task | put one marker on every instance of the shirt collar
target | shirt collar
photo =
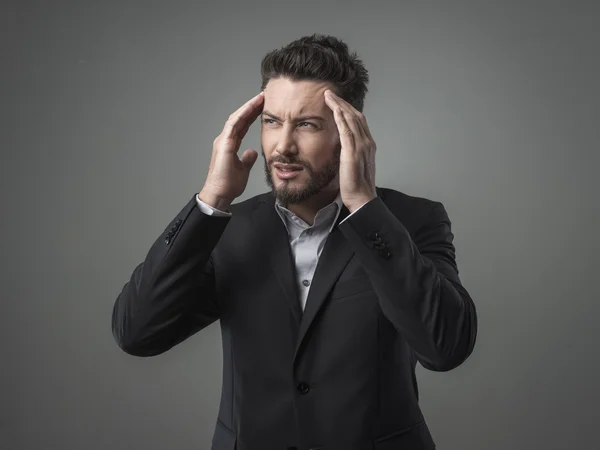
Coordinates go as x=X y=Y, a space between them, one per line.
x=330 y=212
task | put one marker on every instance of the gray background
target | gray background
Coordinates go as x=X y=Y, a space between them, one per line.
x=109 y=110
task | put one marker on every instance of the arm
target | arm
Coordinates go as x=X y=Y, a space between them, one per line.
x=417 y=282
x=171 y=294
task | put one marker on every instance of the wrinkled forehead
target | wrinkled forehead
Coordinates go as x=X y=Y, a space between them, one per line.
x=289 y=99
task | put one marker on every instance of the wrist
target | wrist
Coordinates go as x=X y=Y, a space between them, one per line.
x=359 y=203
x=217 y=202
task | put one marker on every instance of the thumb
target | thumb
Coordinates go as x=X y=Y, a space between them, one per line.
x=249 y=158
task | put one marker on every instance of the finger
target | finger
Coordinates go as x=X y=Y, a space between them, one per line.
x=248 y=122
x=362 y=122
x=238 y=123
x=351 y=115
x=355 y=126
x=339 y=101
x=331 y=100
x=249 y=106
x=365 y=126
x=346 y=135
x=249 y=158
x=360 y=118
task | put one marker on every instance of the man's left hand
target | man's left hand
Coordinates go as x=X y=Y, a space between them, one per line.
x=357 y=158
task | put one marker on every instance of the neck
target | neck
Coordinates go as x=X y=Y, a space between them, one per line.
x=308 y=210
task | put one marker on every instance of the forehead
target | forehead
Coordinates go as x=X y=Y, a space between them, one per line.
x=287 y=98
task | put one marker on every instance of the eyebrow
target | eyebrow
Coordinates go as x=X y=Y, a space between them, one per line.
x=298 y=119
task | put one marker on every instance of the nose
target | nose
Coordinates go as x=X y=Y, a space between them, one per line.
x=286 y=146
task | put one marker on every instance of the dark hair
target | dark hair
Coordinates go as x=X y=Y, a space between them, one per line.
x=319 y=58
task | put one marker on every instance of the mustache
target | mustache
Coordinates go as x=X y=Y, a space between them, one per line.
x=281 y=160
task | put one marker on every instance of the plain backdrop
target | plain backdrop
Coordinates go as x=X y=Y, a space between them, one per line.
x=109 y=110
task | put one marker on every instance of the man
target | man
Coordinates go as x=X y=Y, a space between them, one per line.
x=328 y=289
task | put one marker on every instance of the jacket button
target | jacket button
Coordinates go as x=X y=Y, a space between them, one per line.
x=303 y=388
x=385 y=253
x=374 y=236
x=292 y=448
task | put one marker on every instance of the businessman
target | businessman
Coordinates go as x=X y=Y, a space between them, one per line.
x=328 y=288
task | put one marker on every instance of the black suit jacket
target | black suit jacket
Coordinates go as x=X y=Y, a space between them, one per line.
x=339 y=376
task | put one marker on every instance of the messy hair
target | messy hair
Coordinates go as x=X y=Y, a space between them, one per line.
x=319 y=58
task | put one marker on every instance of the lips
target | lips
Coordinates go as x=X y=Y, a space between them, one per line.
x=287 y=171
x=287 y=167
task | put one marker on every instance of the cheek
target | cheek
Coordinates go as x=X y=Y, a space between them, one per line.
x=272 y=138
x=318 y=148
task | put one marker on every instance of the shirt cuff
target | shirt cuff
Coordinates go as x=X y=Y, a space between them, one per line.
x=209 y=210
x=355 y=211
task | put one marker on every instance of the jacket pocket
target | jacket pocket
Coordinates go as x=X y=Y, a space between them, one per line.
x=356 y=285
x=223 y=438
x=416 y=437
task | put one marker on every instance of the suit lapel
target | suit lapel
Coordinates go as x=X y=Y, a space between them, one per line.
x=335 y=256
x=273 y=233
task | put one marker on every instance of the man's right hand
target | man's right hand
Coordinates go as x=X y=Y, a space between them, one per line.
x=228 y=174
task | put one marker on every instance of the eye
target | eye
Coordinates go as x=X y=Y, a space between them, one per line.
x=302 y=124
x=268 y=121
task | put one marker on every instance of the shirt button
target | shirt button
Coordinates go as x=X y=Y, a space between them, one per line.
x=305 y=282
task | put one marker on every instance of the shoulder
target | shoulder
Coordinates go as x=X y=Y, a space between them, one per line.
x=247 y=206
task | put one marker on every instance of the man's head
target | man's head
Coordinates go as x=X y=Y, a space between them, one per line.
x=297 y=125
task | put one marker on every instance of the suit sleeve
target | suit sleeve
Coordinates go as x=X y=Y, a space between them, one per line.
x=171 y=294
x=417 y=282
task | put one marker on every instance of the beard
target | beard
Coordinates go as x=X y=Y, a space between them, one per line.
x=317 y=179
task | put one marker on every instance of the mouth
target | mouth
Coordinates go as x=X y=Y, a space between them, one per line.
x=287 y=171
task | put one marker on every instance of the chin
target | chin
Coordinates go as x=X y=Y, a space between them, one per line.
x=285 y=190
